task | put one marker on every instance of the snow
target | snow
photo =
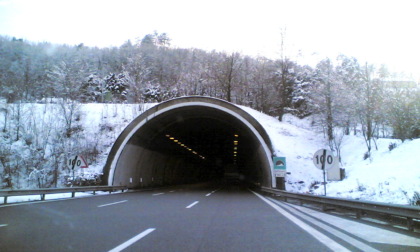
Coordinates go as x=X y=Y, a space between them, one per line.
x=388 y=176
x=55 y=196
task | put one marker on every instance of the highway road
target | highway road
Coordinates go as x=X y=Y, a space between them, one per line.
x=189 y=218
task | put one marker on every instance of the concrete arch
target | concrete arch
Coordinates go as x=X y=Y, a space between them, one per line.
x=145 y=154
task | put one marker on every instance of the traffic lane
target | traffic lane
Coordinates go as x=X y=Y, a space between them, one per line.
x=80 y=224
x=228 y=220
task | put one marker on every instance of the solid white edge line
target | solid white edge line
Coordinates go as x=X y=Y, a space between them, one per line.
x=3 y=225
x=358 y=244
x=118 y=202
x=132 y=240
x=157 y=194
x=193 y=204
x=334 y=246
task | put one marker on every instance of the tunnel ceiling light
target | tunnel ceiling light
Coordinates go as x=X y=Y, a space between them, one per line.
x=183 y=145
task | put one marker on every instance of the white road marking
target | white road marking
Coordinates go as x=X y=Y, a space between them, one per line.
x=3 y=225
x=118 y=202
x=156 y=194
x=132 y=240
x=334 y=246
x=363 y=231
x=172 y=191
x=358 y=244
x=193 y=204
x=208 y=194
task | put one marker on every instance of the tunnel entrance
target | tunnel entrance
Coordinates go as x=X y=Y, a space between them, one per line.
x=191 y=140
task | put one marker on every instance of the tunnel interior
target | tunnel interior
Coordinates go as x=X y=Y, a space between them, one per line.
x=192 y=144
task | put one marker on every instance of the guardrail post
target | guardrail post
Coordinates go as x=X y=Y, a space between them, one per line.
x=73 y=194
x=42 y=196
x=5 y=199
x=358 y=214
x=410 y=224
x=94 y=192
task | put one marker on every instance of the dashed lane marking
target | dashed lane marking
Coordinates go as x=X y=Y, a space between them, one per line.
x=193 y=204
x=110 y=204
x=132 y=240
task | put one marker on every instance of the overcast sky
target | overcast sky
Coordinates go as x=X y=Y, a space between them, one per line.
x=377 y=31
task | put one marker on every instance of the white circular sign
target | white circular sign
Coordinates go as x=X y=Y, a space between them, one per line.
x=323 y=155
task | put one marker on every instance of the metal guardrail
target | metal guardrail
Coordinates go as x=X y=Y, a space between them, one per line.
x=408 y=212
x=72 y=190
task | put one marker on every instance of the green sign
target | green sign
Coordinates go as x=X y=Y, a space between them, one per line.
x=279 y=168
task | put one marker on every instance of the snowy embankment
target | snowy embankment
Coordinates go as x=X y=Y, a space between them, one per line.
x=388 y=176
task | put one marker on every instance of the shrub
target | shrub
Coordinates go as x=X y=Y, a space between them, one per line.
x=392 y=146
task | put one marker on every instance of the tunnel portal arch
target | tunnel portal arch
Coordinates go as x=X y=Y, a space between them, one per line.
x=190 y=139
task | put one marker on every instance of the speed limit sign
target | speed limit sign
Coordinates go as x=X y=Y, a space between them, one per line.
x=77 y=162
x=324 y=156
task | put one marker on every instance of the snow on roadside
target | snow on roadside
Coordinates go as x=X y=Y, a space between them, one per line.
x=388 y=176
x=55 y=196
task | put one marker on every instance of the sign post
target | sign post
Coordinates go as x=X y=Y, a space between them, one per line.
x=279 y=168
x=76 y=162
x=323 y=159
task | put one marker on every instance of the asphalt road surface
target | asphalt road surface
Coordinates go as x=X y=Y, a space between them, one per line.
x=190 y=218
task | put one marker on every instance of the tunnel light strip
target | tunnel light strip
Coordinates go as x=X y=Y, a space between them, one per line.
x=235 y=148
x=185 y=146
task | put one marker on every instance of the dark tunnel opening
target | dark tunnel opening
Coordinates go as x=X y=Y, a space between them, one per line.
x=189 y=144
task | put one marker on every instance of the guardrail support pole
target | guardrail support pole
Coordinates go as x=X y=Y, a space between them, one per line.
x=42 y=196
x=410 y=224
x=5 y=199
x=94 y=192
x=358 y=214
x=73 y=194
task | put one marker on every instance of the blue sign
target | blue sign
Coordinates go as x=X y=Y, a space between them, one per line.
x=279 y=166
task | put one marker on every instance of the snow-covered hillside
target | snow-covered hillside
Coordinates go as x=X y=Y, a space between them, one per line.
x=388 y=176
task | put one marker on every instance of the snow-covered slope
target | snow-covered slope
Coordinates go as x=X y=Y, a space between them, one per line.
x=388 y=176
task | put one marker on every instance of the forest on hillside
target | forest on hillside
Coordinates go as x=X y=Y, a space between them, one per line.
x=348 y=96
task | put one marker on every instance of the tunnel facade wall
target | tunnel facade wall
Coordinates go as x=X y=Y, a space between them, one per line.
x=137 y=166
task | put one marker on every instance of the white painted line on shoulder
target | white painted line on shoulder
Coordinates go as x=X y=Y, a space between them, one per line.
x=358 y=244
x=330 y=243
x=132 y=240
x=366 y=232
x=3 y=225
x=156 y=194
x=110 y=204
x=208 y=194
x=193 y=204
